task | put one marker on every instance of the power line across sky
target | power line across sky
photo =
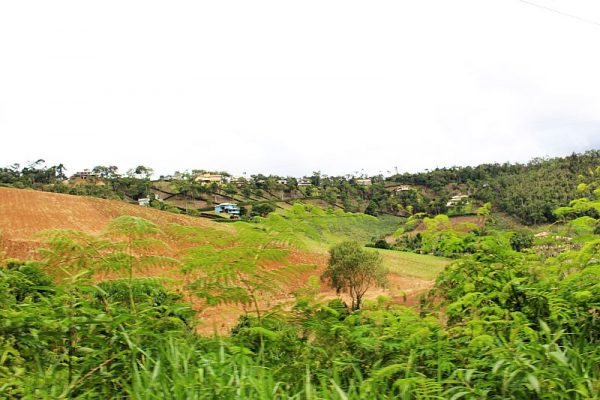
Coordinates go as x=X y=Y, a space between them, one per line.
x=557 y=11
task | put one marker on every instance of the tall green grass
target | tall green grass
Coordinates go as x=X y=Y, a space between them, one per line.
x=410 y=264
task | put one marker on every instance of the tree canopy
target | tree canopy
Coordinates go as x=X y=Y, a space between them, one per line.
x=354 y=269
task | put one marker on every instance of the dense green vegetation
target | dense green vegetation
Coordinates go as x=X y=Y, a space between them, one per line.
x=499 y=323
x=528 y=192
x=516 y=315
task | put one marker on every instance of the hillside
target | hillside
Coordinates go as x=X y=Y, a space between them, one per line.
x=23 y=213
x=525 y=192
x=255 y=285
x=308 y=229
x=528 y=192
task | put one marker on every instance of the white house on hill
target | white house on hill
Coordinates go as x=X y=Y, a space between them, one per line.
x=403 y=188
x=85 y=174
x=454 y=200
x=209 y=178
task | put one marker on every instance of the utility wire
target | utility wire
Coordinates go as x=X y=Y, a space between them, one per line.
x=589 y=21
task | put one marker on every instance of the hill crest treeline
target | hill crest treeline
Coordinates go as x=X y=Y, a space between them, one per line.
x=528 y=192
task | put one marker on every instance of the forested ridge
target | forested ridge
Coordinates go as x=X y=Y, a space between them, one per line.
x=528 y=192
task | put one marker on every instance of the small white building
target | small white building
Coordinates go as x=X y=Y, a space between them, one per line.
x=85 y=175
x=454 y=200
x=144 y=201
x=238 y=180
x=304 y=182
x=403 y=188
x=364 y=182
x=209 y=178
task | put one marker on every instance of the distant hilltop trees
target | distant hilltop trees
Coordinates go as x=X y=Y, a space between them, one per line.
x=528 y=192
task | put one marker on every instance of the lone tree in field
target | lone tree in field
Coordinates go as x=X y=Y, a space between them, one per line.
x=353 y=269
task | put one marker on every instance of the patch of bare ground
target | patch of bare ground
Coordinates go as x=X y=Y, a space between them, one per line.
x=403 y=290
x=23 y=213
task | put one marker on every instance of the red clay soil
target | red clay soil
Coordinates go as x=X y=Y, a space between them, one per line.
x=220 y=319
x=23 y=213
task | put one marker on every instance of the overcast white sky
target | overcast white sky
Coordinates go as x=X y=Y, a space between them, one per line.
x=293 y=87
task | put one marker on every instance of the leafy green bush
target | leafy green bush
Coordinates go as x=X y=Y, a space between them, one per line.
x=497 y=324
x=521 y=240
